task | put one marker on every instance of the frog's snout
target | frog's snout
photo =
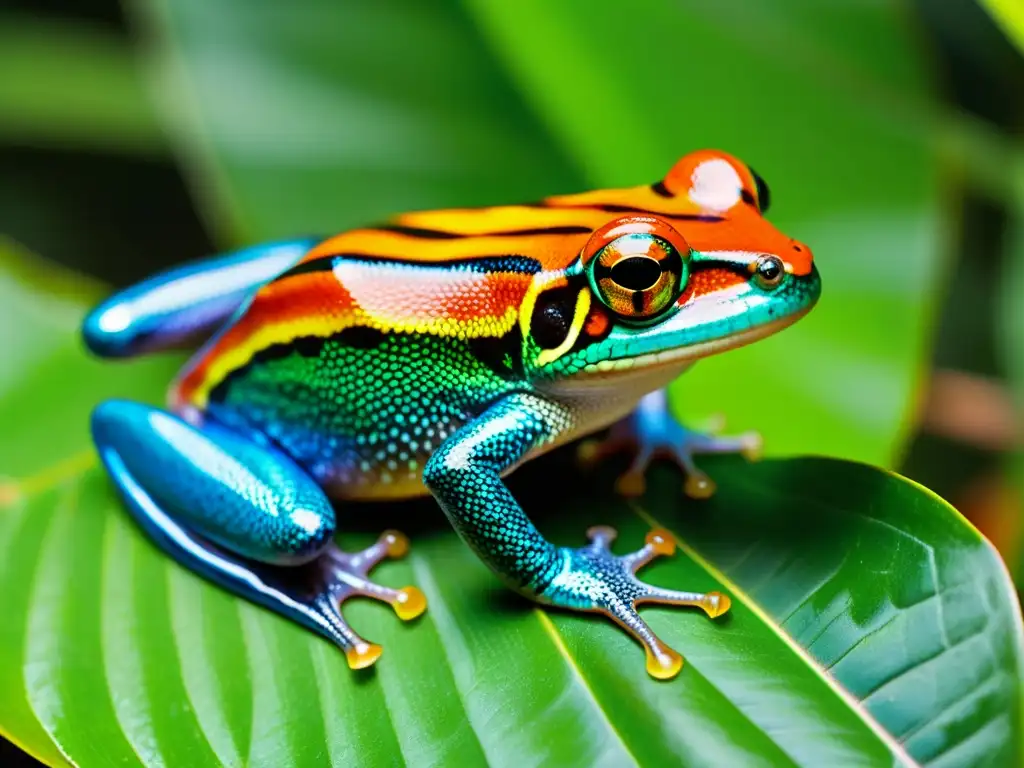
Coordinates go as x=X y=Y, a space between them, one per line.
x=800 y=250
x=798 y=255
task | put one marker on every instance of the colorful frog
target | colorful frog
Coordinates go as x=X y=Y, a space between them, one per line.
x=436 y=354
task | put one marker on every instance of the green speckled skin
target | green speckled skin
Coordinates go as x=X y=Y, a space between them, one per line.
x=356 y=375
x=363 y=419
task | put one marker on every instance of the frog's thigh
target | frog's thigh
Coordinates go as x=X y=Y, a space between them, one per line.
x=184 y=305
x=246 y=498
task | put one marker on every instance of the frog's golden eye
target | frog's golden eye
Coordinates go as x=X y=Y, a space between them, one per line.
x=637 y=266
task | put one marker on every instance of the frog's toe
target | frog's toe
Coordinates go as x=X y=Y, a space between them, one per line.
x=350 y=575
x=592 y=451
x=607 y=583
x=690 y=444
x=651 y=432
x=344 y=575
x=633 y=482
x=681 y=446
x=359 y=653
x=363 y=655
x=391 y=544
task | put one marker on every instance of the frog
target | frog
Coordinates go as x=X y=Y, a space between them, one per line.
x=432 y=355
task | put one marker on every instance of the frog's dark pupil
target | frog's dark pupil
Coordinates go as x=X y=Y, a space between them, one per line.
x=637 y=273
x=769 y=270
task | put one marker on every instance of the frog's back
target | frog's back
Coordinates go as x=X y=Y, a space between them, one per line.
x=459 y=272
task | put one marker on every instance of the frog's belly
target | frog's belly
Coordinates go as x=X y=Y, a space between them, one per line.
x=384 y=462
x=362 y=422
x=375 y=455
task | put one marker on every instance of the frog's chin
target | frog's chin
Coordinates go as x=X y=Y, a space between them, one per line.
x=684 y=356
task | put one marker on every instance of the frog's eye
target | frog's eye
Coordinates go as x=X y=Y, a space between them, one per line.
x=637 y=266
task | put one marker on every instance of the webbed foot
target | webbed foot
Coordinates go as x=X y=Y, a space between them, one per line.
x=345 y=575
x=651 y=432
x=600 y=581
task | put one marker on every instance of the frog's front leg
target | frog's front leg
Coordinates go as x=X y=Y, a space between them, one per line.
x=245 y=516
x=651 y=431
x=464 y=474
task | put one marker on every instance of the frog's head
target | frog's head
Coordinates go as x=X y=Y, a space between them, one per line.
x=691 y=270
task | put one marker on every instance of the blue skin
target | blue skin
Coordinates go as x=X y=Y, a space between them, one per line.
x=139 y=454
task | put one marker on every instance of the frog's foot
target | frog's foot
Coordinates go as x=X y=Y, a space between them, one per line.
x=600 y=581
x=346 y=575
x=651 y=432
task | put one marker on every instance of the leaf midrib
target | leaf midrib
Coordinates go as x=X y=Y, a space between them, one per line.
x=737 y=593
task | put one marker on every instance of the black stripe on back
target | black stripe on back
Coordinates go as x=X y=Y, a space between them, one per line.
x=322 y=264
x=513 y=263
x=660 y=189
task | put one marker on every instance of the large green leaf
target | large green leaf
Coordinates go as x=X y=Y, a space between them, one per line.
x=871 y=625
x=331 y=115
x=322 y=115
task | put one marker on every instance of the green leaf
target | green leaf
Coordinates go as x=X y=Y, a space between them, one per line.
x=337 y=114
x=72 y=86
x=332 y=115
x=871 y=625
x=1010 y=17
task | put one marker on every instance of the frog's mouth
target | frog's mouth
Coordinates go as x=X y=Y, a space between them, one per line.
x=689 y=354
x=717 y=323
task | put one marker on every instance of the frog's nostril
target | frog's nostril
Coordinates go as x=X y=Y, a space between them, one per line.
x=801 y=249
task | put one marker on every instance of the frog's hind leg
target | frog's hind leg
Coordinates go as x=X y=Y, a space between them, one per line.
x=245 y=516
x=183 y=306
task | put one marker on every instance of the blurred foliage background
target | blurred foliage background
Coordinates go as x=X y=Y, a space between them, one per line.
x=138 y=135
